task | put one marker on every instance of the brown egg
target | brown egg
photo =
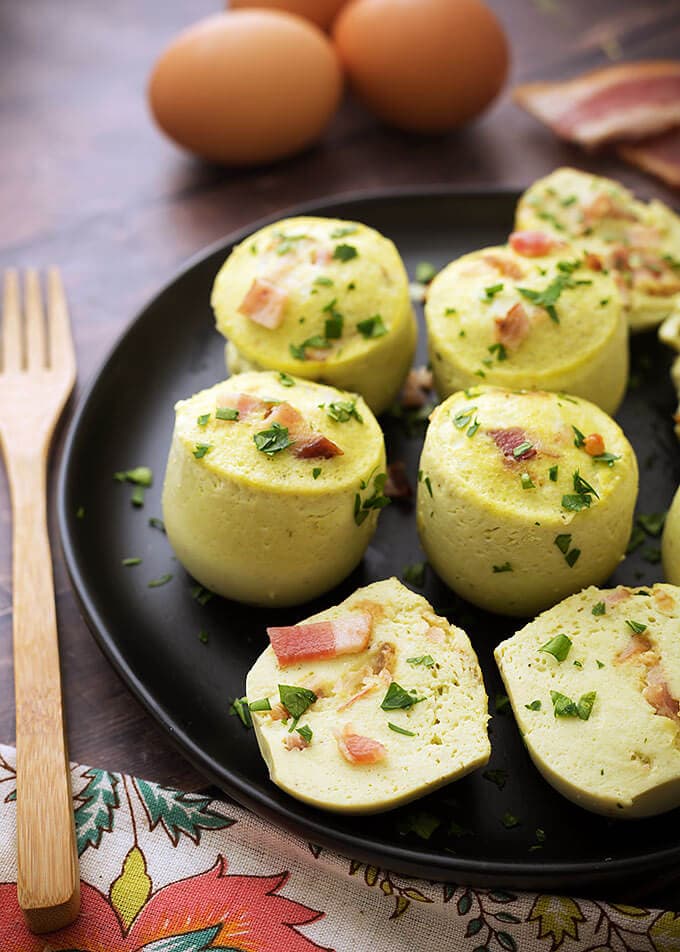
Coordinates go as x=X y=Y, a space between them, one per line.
x=247 y=86
x=423 y=65
x=322 y=12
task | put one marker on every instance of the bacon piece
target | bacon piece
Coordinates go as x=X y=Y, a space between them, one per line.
x=617 y=103
x=533 y=244
x=594 y=444
x=659 y=155
x=397 y=485
x=504 y=264
x=592 y=261
x=320 y=255
x=279 y=713
x=418 y=385
x=357 y=749
x=317 y=640
x=246 y=404
x=384 y=658
x=658 y=695
x=606 y=206
x=664 y=601
x=307 y=443
x=295 y=742
x=509 y=439
x=512 y=329
x=620 y=594
x=264 y=303
x=434 y=633
x=637 y=645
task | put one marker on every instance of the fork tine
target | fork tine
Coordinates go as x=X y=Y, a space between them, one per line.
x=61 y=342
x=11 y=319
x=36 y=351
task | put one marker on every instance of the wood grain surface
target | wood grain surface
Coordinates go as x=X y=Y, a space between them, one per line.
x=89 y=184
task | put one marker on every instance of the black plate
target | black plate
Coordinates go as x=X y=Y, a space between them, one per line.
x=150 y=635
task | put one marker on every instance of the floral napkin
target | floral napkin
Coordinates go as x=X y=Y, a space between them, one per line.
x=167 y=871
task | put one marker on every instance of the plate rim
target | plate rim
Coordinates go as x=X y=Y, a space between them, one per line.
x=409 y=857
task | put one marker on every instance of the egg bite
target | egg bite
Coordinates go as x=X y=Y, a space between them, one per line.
x=321 y=299
x=670 y=542
x=369 y=704
x=530 y=314
x=524 y=497
x=638 y=242
x=594 y=686
x=273 y=487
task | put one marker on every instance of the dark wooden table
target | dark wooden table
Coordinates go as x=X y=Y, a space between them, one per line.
x=87 y=182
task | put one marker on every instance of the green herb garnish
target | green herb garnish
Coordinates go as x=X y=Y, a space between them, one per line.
x=502 y=703
x=563 y=542
x=522 y=449
x=534 y=706
x=272 y=440
x=498 y=777
x=499 y=350
x=296 y=700
x=415 y=574
x=636 y=626
x=398 y=698
x=157 y=582
x=548 y=297
x=316 y=472
x=132 y=561
x=137 y=497
x=553 y=473
x=305 y=732
x=425 y=272
x=463 y=417
x=203 y=419
x=263 y=704
x=559 y=647
x=426 y=660
x=229 y=413
x=652 y=522
x=377 y=499
x=563 y=706
x=372 y=327
x=203 y=636
x=509 y=820
x=608 y=458
x=579 y=438
x=599 y=608
x=490 y=292
x=505 y=567
x=324 y=281
x=140 y=476
x=526 y=481
x=343 y=231
x=239 y=707
x=343 y=410
x=345 y=252
x=201 y=595
x=400 y=730
x=201 y=449
x=157 y=523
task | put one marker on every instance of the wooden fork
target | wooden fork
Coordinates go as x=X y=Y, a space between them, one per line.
x=37 y=374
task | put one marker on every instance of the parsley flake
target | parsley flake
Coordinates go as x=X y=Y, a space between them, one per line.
x=239 y=707
x=425 y=272
x=157 y=582
x=343 y=410
x=296 y=700
x=272 y=440
x=305 y=732
x=345 y=252
x=397 y=698
x=559 y=647
x=372 y=327
x=415 y=574
x=203 y=419
x=497 y=777
x=316 y=472
x=490 y=292
x=400 y=730
x=553 y=473
x=228 y=413
x=526 y=481
x=285 y=379
x=264 y=704
x=534 y=706
x=128 y=563
x=599 y=608
x=505 y=567
x=343 y=231
x=636 y=626
x=426 y=660
x=579 y=438
x=201 y=449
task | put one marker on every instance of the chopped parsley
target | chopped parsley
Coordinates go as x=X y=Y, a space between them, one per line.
x=203 y=636
x=263 y=704
x=499 y=350
x=463 y=417
x=80 y=512
x=287 y=242
x=415 y=574
x=239 y=707
x=608 y=458
x=343 y=410
x=296 y=700
x=652 y=554
x=600 y=664
x=128 y=563
x=472 y=429
x=372 y=327
x=299 y=351
x=400 y=730
x=534 y=706
x=579 y=438
x=526 y=481
x=636 y=626
x=345 y=252
x=203 y=419
x=272 y=440
x=428 y=484
x=548 y=297
x=285 y=379
x=498 y=777
x=559 y=647
x=137 y=497
x=652 y=522
x=343 y=231
x=157 y=582
x=201 y=449
x=582 y=496
x=140 y=476
x=230 y=413
x=334 y=324
x=316 y=472
x=490 y=292
x=522 y=449
x=636 y=539
x=305 y=732
x=425 y=272
x=502 y=703
x=423 y=824
x=201 y=595
x=564 y=706
x=398 y=698
x=323 y=281
x=157 y=523
x=426 y=660
x=572 y=557
x=563 y=542
x=377 y=499
x=553 y=473
x=505 y=567
x=509 y=820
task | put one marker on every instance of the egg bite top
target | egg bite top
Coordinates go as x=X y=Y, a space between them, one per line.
x=638 y=242
x=387 y=703
x=323 y=299
x=530 y=314
x=594 y=685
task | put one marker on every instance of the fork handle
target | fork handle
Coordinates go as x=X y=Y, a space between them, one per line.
x=48 y=877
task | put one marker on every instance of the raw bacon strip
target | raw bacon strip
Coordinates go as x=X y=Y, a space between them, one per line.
x=533 y=244
x=397 y=485
x=359 y=750
x=264 y=304
x=316 y=640
x=509 y=440
x=617 y=103
x=659 y=155
x=657 y=694
x=307 y=443
x=514 y=328
x=637 y=644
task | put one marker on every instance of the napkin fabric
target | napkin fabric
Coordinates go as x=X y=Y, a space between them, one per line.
x=168 y=871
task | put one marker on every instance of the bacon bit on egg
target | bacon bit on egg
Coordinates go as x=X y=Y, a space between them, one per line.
x=594 y=444
x=435 y=634
x=418 y=385
x=357 y=749
x=637 y=645
x=534 y=244
x=620 y=594
x=658 y=695
x=509 y=439
x=316 y=640
x=320 y=255
x=384 y=658
x=279 y=713
x=307 y=443
x=606 y=206
x=503 y=264
x=246 y=404
x=397 y=485
x=295 y=742
x=664 y=601
x=592 y=261
x=512 y=329
x=264 y=303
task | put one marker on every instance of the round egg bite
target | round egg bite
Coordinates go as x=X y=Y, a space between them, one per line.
x=531 y=314
x=273 y=487
x=524 y=497
x=638 y=242
x=594 y=685
x=670 y=542
x=397 y=705
x=322 y=299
